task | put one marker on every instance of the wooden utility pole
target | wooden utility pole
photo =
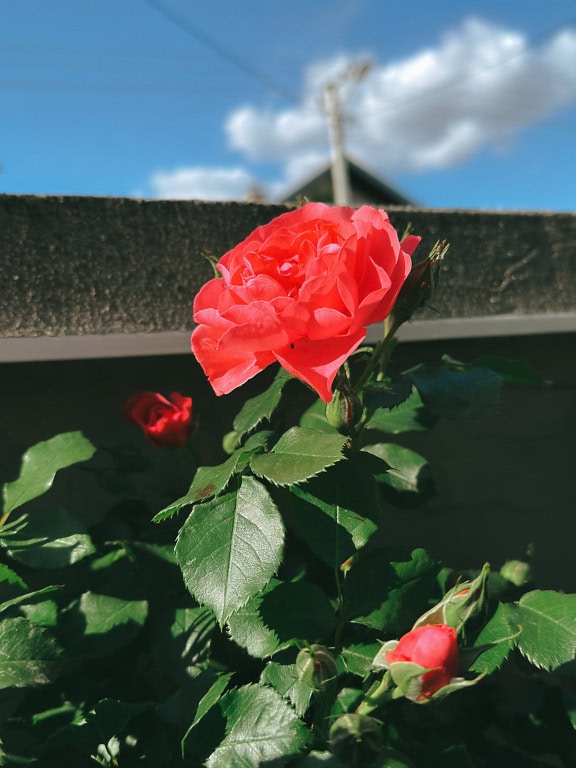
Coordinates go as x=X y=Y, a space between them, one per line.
x=332 y=105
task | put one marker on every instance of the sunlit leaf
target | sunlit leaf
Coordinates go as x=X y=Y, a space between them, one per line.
x=261 y=406
x=260 y=727
x=28 y=656
x=229 y=548
x=548 y=623
x=299 y=454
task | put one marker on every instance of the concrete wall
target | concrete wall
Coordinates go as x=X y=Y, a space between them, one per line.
x=73 y=267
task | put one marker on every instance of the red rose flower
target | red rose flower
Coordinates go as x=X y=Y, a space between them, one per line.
x=164 y=423
x=432 y=646
x=300 y=290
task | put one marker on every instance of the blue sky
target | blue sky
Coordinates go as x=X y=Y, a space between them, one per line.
x=466 y=104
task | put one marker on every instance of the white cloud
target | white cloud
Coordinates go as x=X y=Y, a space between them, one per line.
x=478 y=87
x=202 y=183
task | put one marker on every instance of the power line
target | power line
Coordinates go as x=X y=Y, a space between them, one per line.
x=184 y=23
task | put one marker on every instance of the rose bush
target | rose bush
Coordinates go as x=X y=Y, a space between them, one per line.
x=433 y=646
x=302 y=291
x=166 y=423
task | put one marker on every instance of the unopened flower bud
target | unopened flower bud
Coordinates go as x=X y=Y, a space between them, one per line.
x=315 y=666
x=420 y=285
x=344 y=411
x=356 y=739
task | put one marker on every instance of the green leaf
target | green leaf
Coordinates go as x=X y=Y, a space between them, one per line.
x=284 y=679
x=51 y=539
x=26 y=598
x=409 y=416
x=260 y=727
x=459 y=394
x=248 y=630
x=97 y=625
x=208 y=482
x=499 y=635
x=181 y=638
x=512 y=371
x=387 y=394
x=28 y=655
x=110 y=717
x=387 y=590
x=299 y=454
x=548 y=623
x=358 y=657
x=230 y=548
x=298 y=610
x=10 y=576
x=338 y=511
x=40 y=464
x=408 y=480
x=262 y=406
x=314 y=418
x=209 y=700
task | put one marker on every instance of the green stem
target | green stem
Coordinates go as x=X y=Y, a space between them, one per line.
x=381 y=354
x=379 y=693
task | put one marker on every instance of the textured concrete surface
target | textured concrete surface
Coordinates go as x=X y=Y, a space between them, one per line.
x=82 y=265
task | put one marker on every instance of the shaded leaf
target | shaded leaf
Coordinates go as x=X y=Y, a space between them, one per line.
x=500 y=632
x=299 y=454
x=52 y=539
x=459 y=394
x=97 y=625
x=386 y=394
x=408 y=416
x=408 y=480
x=40 y=464
x=387 y=590
x=512 y=371
x=260 y=727
x=28 y=656
x=314 y=417
x=229 y=548
x=339 y=510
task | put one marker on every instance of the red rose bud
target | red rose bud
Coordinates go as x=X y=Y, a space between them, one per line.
x=420 y=285
x=424 y=660
x=164 y=422
x=302 y=291
x=460 y=604
x=344 y=411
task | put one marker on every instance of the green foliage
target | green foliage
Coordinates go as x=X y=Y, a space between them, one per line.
x=261 y=407
x=255 y=632
x=40 y=464
x=547 y=621
x=230 y=548
x=298 y=455
x=260 y=727
x=29 y=655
